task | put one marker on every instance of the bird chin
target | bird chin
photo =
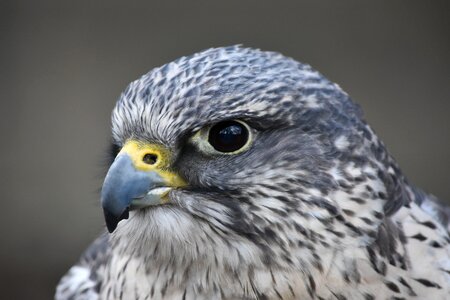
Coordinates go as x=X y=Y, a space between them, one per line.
x=158 y=222
x=146 y=209
x=158 y=230
x=153 y=211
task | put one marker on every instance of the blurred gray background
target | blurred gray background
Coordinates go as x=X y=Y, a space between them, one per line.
x=63 y=65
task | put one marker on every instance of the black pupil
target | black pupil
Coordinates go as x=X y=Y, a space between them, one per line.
x=228 y=136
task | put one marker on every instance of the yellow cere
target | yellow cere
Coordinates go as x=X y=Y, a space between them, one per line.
x=137 y=151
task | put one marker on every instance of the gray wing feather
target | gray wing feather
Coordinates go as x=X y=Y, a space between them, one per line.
x=83 y=280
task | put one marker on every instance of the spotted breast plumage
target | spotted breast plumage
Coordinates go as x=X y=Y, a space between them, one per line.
x=244 y=174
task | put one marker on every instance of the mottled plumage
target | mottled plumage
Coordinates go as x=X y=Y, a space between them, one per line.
x=315 y=208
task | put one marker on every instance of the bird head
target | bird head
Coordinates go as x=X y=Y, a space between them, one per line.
x=246 y=149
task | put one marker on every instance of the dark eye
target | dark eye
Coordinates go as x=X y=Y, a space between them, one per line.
x=228 y=136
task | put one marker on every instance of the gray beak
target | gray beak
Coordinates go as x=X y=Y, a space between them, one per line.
x=126 y=188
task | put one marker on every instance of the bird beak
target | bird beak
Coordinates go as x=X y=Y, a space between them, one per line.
x=139 y=177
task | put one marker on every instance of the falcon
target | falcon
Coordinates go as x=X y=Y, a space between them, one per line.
x=244 y=174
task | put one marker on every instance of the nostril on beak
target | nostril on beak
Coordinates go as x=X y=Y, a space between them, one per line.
x=150 y=158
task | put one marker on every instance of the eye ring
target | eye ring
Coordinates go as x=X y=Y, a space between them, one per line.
x=227 y=137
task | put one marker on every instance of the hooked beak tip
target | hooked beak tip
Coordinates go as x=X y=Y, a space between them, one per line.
x=112 y=220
